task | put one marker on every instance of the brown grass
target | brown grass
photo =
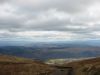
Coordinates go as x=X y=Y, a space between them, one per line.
x=86 y=67
x=20 y=66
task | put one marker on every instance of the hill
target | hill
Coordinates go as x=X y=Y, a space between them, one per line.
x=50 y=52
x=86 y=67
x=10 y=65
x=20 y=66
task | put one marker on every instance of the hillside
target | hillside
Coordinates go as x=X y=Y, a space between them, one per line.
x=86 y=67
x=20 y=66
x=10 y=65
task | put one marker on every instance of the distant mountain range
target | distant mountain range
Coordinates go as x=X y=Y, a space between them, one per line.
x=52 y=50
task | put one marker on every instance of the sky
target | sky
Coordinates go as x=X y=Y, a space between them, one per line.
x=50 y=19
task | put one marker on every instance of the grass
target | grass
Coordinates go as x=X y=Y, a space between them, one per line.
x=21 y=66
x=86 y=67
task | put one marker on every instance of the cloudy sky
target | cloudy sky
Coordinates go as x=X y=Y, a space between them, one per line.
x=50 y=19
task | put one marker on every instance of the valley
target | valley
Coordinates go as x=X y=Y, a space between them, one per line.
x=50 y=59
x=47 y=51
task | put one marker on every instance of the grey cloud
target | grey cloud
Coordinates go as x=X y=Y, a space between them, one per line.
x=70 y=6
x=7 y=35
x=54 y=24
x=4 y=1
x=32 y=13
x=10 y=23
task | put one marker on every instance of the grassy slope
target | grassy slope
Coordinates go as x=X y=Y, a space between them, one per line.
x=86 y=67
x=19 y=66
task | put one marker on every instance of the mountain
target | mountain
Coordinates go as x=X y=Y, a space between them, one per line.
x=51 y=50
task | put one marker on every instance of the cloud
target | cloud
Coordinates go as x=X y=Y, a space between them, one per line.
x=3 y=1
x=66 y=19
x=70 y=6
